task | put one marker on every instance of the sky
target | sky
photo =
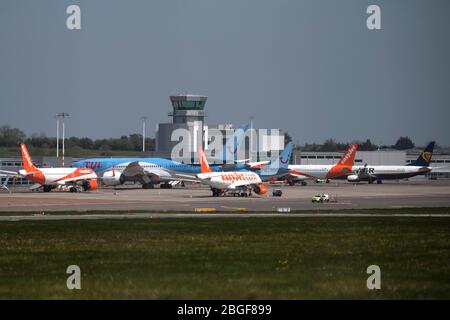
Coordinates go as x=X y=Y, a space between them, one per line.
x=309 y=67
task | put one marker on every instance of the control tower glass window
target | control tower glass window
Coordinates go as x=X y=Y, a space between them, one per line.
x=188 y=105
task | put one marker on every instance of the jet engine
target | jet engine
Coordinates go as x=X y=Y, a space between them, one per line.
x=260 y=189
x=353 y=178
x=90 y=184
x=112 y=178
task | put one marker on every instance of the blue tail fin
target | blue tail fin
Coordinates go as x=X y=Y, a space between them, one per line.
x=230 y=149
x=425 y=157
x=284 y=157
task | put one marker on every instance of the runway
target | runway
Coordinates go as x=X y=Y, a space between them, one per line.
x=423 y=193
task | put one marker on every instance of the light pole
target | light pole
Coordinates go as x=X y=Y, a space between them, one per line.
x=143 y=132
x=251 y=138
x=57 y=136
x=60 y=115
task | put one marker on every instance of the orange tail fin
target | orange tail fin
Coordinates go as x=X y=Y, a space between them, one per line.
x=27 y=162
x=204 y=166
x=348 y=159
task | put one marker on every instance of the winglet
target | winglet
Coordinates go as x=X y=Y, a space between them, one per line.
x=27 y=162
x=348 y=159
x=204 y=166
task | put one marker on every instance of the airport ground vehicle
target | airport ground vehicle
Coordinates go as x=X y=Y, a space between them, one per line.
x=322 y=197
x=277 y=193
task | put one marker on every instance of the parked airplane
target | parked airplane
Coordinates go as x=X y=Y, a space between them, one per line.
x=301 y=172
x=51 y=178
x=222 y=182
x=151 y=171
x=370 y=174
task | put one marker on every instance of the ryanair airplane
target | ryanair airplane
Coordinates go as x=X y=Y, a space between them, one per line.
x=370 y=174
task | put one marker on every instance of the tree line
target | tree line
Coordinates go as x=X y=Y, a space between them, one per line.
x=403 y=143
x=12 y=137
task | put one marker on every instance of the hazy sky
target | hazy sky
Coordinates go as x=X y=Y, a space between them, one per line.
x=311 y=68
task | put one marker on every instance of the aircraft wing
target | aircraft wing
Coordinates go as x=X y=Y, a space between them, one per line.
x=5 y=173
x=185 y=177
x=301 y=175
x=256 y=165
x=208 y=175
x=65 y=181
x=138 y=169
x=239 y=184
x=35 y=186
x=366 y=175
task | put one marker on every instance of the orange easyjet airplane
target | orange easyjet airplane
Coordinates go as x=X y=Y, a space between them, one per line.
x=342 y=169
x=242 y=182
x=51 y=178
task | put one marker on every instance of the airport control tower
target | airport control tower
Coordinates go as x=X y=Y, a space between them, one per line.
x=188 y=108
x=188 y=113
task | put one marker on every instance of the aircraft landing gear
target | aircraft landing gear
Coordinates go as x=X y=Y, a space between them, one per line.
x=73 y=189
x=379 y=181
x=166 y=186
x=148 y=186
x=47 y=188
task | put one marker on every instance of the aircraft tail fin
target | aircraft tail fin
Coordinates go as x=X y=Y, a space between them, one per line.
x=27 y=162
x=425 y=157
x=348 y=159
x=284 y=157
x=232 y=146
x=204 y=165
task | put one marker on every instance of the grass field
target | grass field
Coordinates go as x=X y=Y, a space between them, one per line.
x=396 y=211
x=265 y=258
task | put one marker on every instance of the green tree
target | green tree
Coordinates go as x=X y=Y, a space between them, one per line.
x=11 y=137
x=329 y=145
x=367 y=146
x=404 y=143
